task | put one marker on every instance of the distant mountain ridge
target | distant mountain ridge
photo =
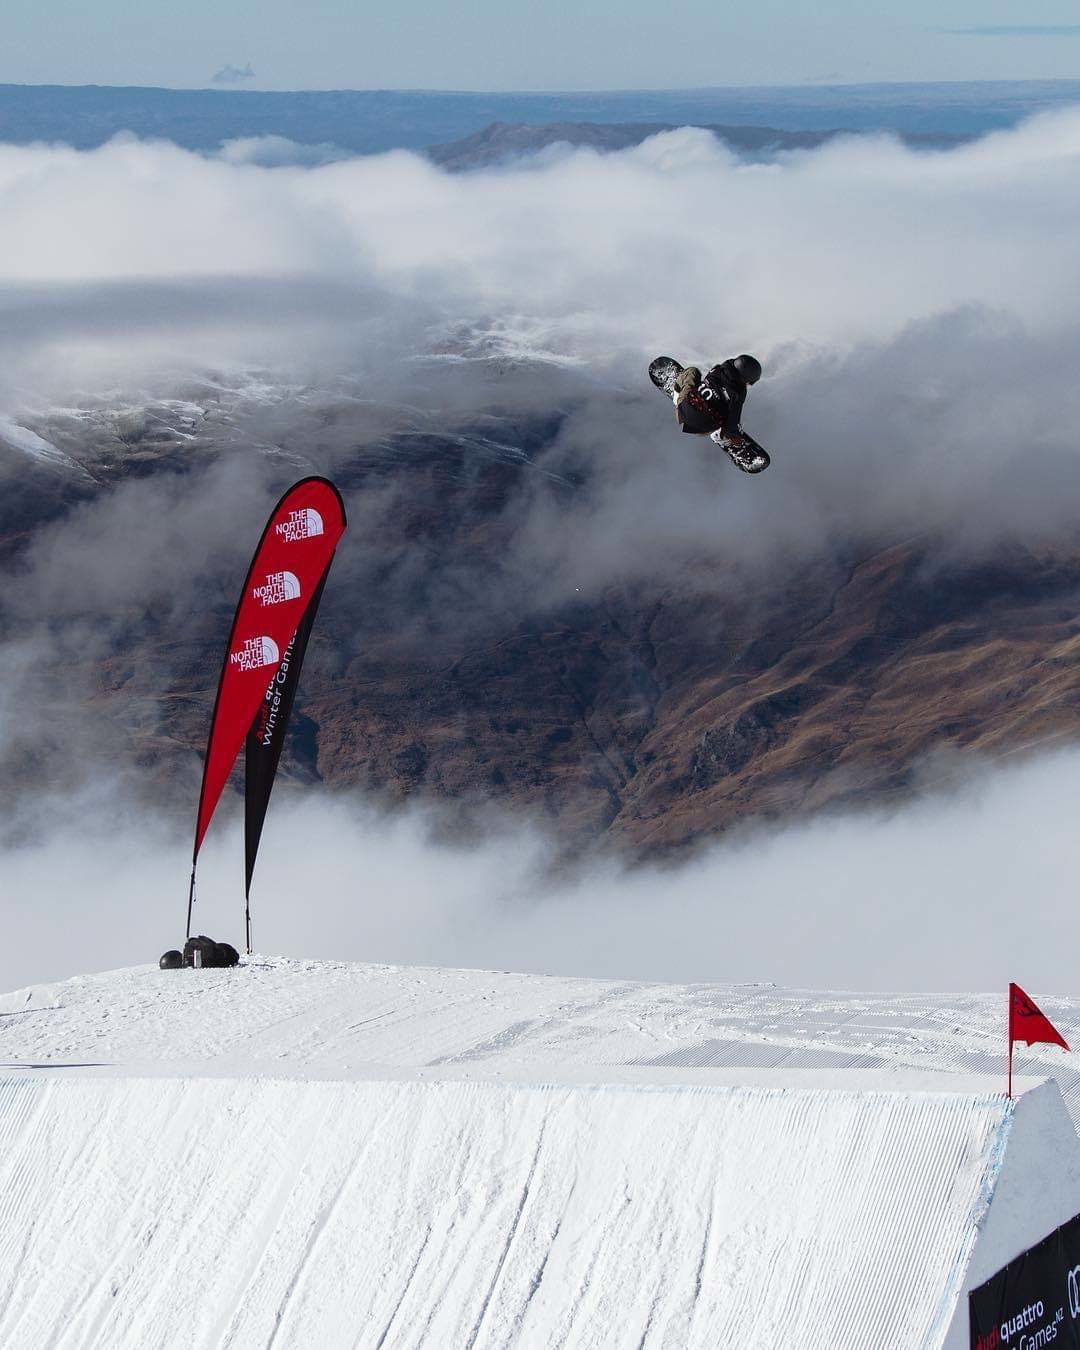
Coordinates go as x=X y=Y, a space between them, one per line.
x=370 y=121
x=502 y=142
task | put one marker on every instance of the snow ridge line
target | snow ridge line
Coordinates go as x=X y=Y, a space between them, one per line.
x=950 y=1295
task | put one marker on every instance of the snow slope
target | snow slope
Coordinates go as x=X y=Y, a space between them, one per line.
x=282 y=1212
x=301 y=1154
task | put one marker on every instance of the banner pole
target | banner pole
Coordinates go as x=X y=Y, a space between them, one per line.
x=190 y=902
x=247 y=922
x=1010 y=1067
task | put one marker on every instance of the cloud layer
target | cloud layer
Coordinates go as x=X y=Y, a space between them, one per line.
x=916 y=312
x=960 y=892
x=919 y=321
x=675 y=241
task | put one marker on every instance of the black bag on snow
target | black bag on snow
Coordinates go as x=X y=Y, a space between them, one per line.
x=218 y=955
x=201 y=944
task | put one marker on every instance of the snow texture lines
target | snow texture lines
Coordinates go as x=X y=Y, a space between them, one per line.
x=508 y=1244
x=297 y=1154
x=404 y=1291
x=482 y=1215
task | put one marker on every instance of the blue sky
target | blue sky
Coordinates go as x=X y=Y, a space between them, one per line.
x=546 y=44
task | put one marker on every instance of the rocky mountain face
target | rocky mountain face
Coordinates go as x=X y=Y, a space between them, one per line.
x=655 y=719
x=649 y=716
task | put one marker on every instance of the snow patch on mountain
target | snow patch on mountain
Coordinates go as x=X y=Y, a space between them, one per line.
x=30 y=443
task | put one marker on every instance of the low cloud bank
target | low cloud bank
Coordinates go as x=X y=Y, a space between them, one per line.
x=675 y=240
x=917 y=313
x=963 y=892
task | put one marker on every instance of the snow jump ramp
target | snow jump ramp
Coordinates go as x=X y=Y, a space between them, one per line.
x=453 y=1206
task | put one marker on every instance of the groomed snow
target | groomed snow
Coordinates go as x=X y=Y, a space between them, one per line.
x=305 y=1154
x=338 y=1019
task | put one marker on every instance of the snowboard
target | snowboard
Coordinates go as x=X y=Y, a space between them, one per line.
x=663 y=372
x=743 y=451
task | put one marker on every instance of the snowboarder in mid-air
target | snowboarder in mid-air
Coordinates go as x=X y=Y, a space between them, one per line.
x=711 y=404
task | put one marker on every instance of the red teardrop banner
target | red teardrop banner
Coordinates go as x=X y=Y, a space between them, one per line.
x=291 y=560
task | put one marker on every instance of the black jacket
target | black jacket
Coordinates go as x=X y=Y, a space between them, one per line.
x=716 y=404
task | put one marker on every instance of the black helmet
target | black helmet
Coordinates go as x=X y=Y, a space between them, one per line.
x=749 y=367
x=171 y=961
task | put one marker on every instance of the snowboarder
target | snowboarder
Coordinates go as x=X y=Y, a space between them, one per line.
x=711 y=404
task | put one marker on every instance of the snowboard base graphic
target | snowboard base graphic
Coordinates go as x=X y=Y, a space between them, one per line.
x=663 y=372
x=743 y=451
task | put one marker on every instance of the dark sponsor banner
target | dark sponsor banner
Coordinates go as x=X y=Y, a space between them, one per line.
x=292 y=557
x=265 y=740
x=1034 y=1301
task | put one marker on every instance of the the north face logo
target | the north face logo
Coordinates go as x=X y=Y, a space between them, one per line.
x=255 y=653
x=277 y=588
x=303 y=523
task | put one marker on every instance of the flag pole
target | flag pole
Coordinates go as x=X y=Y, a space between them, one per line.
x=190 y=900
x=1009 y=1024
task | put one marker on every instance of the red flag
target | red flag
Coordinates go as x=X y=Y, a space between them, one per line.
x=1028 y=1024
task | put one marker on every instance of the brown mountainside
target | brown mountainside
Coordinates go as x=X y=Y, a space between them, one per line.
x=651 y=716
x=659 y=721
